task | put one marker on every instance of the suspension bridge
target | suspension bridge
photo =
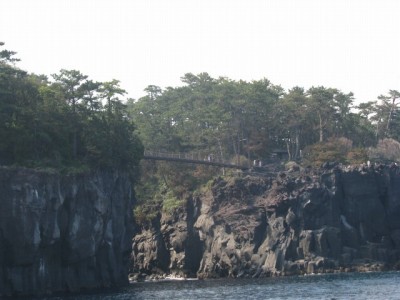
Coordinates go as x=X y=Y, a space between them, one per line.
x=191 y=158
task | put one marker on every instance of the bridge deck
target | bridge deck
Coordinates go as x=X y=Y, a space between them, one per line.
x=193 y=161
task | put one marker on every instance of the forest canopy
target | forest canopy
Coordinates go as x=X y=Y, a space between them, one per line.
x=228 y=119
x=67 y=121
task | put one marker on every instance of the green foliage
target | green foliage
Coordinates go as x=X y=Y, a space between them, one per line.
x=220 y=117
x=158 y=198
x=63 y=124
x=170 y=202
x=144 y=213
x=75 y=169
x=387 y=116
x=164 y=187
x=239 y=121
x=333 y=150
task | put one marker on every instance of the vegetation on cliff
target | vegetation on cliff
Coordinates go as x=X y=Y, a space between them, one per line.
x=227 y=118
x=243 y=122
x=66 y=122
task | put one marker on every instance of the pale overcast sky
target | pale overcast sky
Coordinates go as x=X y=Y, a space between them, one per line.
x=352 y=45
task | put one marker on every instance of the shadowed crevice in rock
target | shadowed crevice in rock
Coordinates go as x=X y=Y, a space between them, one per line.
x=260 y=230
x=194 y=247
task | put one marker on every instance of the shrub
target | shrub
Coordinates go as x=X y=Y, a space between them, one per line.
x=144 y=213
x=386 y=150
x=171 y=203
x=357 y=156
x=335 y=149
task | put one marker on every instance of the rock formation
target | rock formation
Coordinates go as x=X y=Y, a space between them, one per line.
x=309 y=221
x=63 y=233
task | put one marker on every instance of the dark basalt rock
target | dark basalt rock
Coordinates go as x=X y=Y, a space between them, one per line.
x=334 y=219
x=63 y=233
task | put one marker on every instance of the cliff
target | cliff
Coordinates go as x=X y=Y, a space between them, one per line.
x=299 y=222
x=63 y=233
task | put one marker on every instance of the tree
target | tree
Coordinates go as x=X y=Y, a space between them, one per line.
x=384 y=115
x=391 y=106
x=110 y=91
x=17 y=104
x=6 y=56
x=72 y=84
x=91 y=95
x=342 y=105
x=153 y=91
x=62 y=124
x=292 y=114
x=321 y=102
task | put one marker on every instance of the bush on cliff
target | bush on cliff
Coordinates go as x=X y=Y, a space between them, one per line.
x=334 y=150
x=386 y=150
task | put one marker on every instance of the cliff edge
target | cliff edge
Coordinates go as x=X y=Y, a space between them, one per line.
x=63 y=233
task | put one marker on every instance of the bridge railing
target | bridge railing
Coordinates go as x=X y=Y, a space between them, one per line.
x=195 y=156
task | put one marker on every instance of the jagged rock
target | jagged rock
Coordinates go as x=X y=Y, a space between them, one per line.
x=337 y=218
x=63 y=233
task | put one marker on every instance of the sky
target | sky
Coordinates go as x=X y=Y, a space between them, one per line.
x=351 y=45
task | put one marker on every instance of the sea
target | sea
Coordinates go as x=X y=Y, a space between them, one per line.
x=385 y=285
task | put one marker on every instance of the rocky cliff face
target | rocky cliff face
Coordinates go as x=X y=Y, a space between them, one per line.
x=63 y=233
x=334 y=219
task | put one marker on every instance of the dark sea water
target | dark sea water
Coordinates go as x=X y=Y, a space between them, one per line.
x=333 y=286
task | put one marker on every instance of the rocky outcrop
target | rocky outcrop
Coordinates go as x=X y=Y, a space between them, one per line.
x=63 y=233
x=168 y=246
x=309 y=221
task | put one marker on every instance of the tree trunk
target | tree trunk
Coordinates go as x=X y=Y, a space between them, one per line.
x=297 y=141
x=220 y=153
x=235 y=149
x=321 y=131
x=288 y=149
